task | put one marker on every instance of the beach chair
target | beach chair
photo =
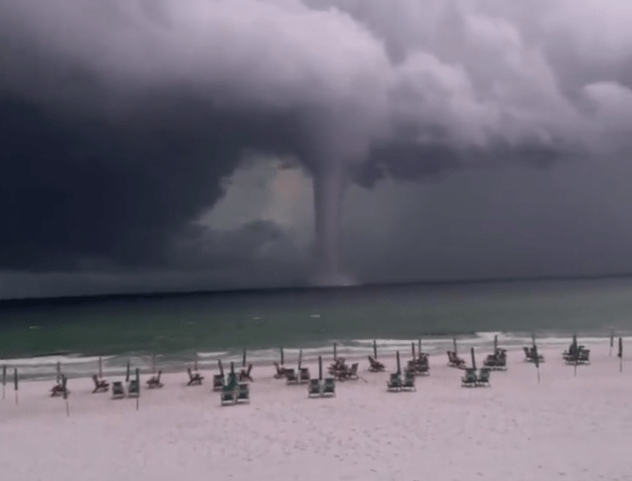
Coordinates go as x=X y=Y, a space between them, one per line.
x=154 y=381
x=218 y=382
x=291 y=377
x=229 y=391
x=244 y=375
x=375 y=366
x=59 y=390
x=530 y=355
x=409 y=381
x=314 y=388
x=329 y=387
x=100 y=385
x=394 y=383
x=281 y=371
x=303 y=375
x=194 y=378
x=352 y=373
x=483 y=377
x=133 y=389
x=469 y=380
x=583 y=356
x=455 y=361
x=118 y=391
x=243 y=393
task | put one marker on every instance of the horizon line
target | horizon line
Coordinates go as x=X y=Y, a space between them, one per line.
x=33 y=301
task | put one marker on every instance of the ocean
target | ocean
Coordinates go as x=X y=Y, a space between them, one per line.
x=170 y=332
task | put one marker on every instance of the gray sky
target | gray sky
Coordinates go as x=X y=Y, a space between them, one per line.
x=171 y=145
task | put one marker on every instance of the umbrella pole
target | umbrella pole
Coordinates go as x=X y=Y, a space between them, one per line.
x=281 y=356
x=375 y=349
x=138 y=387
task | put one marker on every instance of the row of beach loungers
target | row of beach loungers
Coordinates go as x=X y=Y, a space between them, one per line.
x=234 y=388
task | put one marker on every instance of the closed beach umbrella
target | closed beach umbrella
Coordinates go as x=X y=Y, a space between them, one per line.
x=419 y=346
x=232 y=368
x=374 y=348
x=58 y=372
x=300 y=359
x=221 y=368
x=15 y=384
x=574 y=343
x=100 y=367
x=536 y=360
x=620 y=354
x=320 y=368
x=127 y=371
x=137 y=387
x=454 y=341
x=473 y=359
x=195 y=364
x=243 y=360
x=413 y=346
x=64 y=383
x=335 y=354
x=4 y=379
x=399 y=368
x=282 y=357
x=495 y=344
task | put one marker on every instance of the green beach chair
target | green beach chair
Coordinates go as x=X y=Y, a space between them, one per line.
x=314 y=388
x=394 y=383
x=243 y=393
x=409 y=381
x=469 y=380
x=118 y=392
x=229 y=391
x=483 y=377
x=133 y=390
x=329 y=387
x=218 y=382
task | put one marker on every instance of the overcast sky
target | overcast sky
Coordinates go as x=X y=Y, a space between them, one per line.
x=158 y=145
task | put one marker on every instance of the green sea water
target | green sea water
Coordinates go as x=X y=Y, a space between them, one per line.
x=267 y=319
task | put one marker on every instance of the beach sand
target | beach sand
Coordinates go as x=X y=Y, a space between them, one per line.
x=566 y=427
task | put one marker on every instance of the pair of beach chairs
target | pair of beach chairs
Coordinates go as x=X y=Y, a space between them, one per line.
x=471 y=379
x=530 y=355
x=497 y=361
x=375 y=366
x=346 y=373
x=235 y=392
x=419 y=366
x=579 y=355
x=118 y=390
x=220 y=382
x=396 y=384
x=61 y=388
x=455 y=361
x=302 y=377
x=322 y=388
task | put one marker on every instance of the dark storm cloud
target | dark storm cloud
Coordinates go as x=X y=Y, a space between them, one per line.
x=119 y=120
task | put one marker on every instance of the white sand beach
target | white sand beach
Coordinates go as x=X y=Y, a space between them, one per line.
x=566 y=427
